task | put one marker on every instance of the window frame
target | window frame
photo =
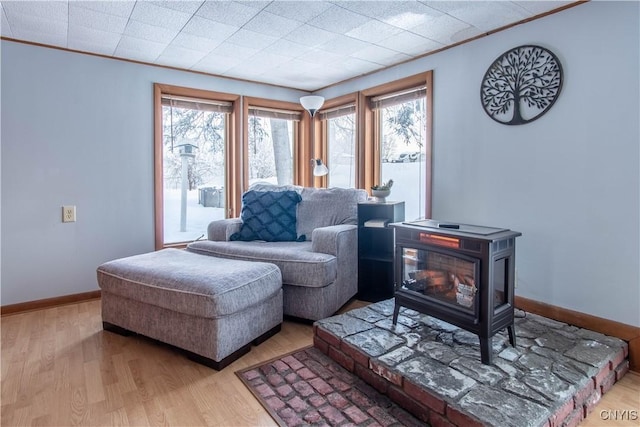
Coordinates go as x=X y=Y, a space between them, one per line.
x=368 y=119
x=232 y=136
x=301 y=146
x=321 y=137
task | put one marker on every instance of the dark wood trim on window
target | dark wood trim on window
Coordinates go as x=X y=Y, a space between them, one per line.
x=370 y=150
x=321 y=134
x=232 y=135
x=301 y=147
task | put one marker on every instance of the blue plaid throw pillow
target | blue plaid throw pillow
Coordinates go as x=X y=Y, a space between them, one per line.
x=269 y=216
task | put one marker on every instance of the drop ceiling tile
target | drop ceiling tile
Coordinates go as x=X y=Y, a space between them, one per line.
x=407 y=15
x=255 y=4
x=466 y=34
x=50 y=10
x=216 y=64
x=248 y=70
x=286 y=48
x=300 y=11
x=189 y=41
x=266 y=59
x=538 y=7
x=371 y=9
x=319 y=56
x=41 y=37
x=479 y=15
x=180 y=57
x=93 y=19
x=297 y=66
x=5 y=28
x=373 y=31
x=380 y=55
x=338 y=20
x=151 y=14
x=185 y=6
x=410 y=44
x=359 y=66
x=227 y=12
x=88 y=36
x=441 y=28
x=244 y=37
x=145 y=48
x=117 y=8
x=343 y=45
x=31 y=24
x=99 y=48
x=152 y=33
x=309 y=36
x=271 y=25
x=234 y=51
x=206 y=28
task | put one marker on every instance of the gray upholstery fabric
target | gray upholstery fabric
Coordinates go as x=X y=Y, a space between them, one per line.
x=298 y=263
x=329 y=220
x=209 y=306
x=212 y=338
x=188 y=283
x=321 y=207
x=223 y=229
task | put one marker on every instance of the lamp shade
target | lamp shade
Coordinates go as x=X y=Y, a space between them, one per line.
x=319 y=168
x=312 y=103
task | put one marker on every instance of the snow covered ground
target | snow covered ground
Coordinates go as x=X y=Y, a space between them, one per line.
x=408 y=187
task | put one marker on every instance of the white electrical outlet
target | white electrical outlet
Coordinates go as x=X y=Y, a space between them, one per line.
x=68 y=214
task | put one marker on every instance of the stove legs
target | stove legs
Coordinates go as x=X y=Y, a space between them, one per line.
x=396 y=310
x=512 y=335
x=486 y=347
x=486 y=353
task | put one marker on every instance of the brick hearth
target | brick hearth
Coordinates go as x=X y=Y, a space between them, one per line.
x=555 y=376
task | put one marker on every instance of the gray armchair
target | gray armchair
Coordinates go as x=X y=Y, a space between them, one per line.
x=320 y=274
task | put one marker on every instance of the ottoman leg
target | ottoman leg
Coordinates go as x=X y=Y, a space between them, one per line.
x=116 y=329
x=271 y=332
x=218 y=366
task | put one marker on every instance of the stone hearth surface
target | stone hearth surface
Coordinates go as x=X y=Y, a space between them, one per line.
x=554 y=377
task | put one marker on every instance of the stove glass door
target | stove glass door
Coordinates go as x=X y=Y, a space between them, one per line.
x=446 y=278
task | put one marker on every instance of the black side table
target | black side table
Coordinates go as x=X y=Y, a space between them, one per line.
x=376 y=249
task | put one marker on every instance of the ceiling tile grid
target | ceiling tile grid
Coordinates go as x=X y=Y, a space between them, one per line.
x=300 y=44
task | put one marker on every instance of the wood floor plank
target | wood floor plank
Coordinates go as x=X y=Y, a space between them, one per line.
x=59 y=368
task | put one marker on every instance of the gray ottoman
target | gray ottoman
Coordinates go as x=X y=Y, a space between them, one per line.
x=212 y=308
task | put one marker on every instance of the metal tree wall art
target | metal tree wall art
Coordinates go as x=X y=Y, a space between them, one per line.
x=521 y=85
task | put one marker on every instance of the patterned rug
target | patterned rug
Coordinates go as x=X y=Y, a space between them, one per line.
x=308 y=388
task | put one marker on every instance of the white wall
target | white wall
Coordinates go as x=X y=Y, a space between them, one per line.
x=569 y=181
x=78 y=130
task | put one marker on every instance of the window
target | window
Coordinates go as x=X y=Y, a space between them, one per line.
x=275 y=142
x=401 y=118
x=399 y=114
x=270 y=145
x=191 y=172
x=340 y=133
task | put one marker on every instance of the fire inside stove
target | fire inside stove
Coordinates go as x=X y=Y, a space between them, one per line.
x=446 y=278
x=462 y=274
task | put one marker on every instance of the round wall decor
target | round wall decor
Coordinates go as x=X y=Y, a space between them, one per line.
x=521 y=85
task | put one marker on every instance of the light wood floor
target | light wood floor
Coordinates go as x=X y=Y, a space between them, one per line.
x=60 y=369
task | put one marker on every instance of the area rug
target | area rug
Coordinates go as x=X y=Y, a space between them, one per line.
x=305 y=387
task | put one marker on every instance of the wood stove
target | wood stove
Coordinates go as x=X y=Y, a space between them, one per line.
x=460 y=273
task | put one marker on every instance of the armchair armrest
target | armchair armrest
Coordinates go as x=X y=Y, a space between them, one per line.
x=335 y=238
x=222 y=229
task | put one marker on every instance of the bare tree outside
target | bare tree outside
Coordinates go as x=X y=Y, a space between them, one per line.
x=281 y=138
x=194 y=139
x=521 y=85
x=341 y=150
x=270 y=150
